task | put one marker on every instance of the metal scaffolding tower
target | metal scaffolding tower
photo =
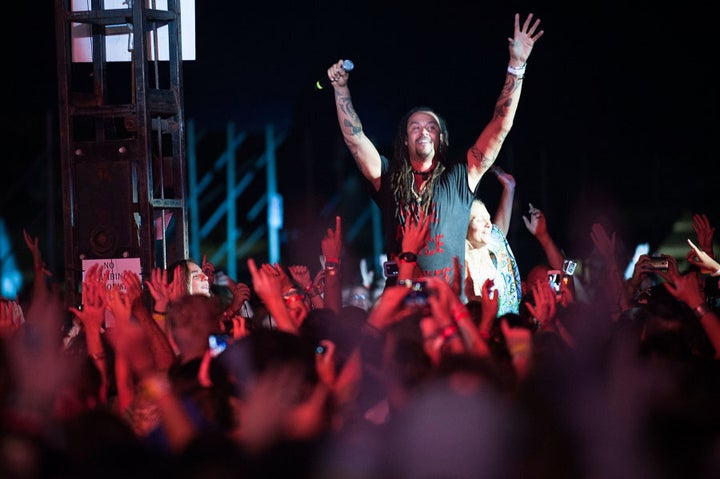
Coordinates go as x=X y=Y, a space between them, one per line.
x=122 y=138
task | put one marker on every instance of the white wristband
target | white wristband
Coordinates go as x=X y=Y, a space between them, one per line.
x=518 y=72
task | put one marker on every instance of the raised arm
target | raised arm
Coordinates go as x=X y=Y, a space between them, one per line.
x=703 y=259
x=362 y=149
x=269 y=289
x=536 y=224
x=331 y=247
x=503 y=213
x=40 y=272
x=685 y=288
x=483 y=153
x=704 y=231
x=415 y=237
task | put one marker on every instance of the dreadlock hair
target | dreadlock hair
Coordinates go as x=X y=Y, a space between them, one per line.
x=402 y=178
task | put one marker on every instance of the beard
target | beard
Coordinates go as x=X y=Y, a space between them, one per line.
x=425 y=149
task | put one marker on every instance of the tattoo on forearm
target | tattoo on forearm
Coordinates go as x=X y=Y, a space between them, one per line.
x=351 y=120
x=484 y=161
x=347 y=107
x=504 y=101
x=354 y=129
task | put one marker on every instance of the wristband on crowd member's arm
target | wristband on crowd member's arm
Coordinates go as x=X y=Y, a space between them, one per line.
x=332 y=265
x=701 y=310
x=407 y=257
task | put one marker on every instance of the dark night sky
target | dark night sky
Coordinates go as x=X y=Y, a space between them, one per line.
x=618 y=113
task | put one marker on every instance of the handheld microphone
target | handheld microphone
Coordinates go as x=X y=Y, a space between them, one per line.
x=347 y=65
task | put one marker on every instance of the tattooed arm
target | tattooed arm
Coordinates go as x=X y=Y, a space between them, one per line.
x=362 y=149
x=483 y=153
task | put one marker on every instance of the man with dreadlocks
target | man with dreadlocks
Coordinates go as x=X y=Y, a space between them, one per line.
x=419 y=177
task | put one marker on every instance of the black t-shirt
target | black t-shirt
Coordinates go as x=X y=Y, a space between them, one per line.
x=450 y=214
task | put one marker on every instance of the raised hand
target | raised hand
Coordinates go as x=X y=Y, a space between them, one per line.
x=545 y=306
x=277 y=270
x=701 y=258
x=704 y=232
x=490 y=301
x=523 y=39
x=159 y=289
x=266 y=281
x=319 y=281
x=604 y=243
x=301 y=275
x=33 y=245
x=367 y=274
x=415 y=231
x=11 y=317
x=687 y=288
x=268 y=285
x=506 y=179
x=331 y=244
x=208 y=270
x=94 y=294
x=120 y=305
x=535 y=223
x=179 y=284
x=133 y=286
x=241 y=292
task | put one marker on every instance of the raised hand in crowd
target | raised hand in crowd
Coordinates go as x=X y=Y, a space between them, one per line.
x=319 y=283
x=699 y=257
x=294 y=298
x=33 y=245
x=641 y=272
x=208 y=270
x=241 y=292
x=301 y=275
x=367 y=274
x=331 y=247
x=119 y=304
x=92 y=317
x=536 y=224
x=503 y=213
x=11 y=317
x=159 y=341
x=415 y=231
x=277 y=270
x=331 y=243
x=704 y=231
x=448 y=310
x=160 y=291
x=489 y=307
x=689 y=288
x=544 y=306
x=268 y=285
x=40 y=272
x=237 y=312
